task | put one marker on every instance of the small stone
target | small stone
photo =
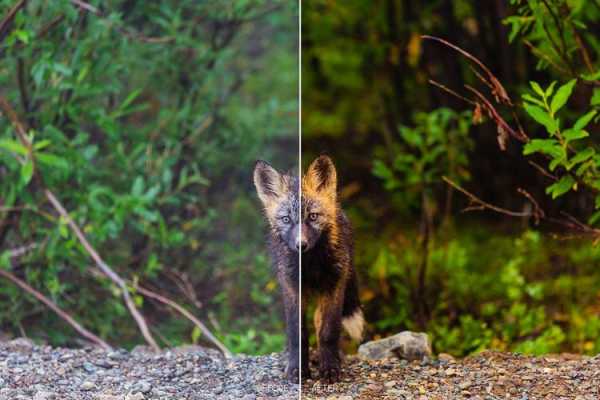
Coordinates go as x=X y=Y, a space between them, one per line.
x=465 y=385
x=445 y=357
x=44 y=395
x=135 y=396
x=390 y=384
x=142 y=387
x=405 y=345
x=89 y=367
x=87 y=386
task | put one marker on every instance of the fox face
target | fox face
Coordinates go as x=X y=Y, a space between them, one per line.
x=319 y=202
x=279 y=196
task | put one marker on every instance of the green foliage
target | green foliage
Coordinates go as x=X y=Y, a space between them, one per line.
x=565 y=147
x=146 y=121
x=554 y=30
x=436 y=146
x=489 y=291
x=365 y=89
x=561 y=33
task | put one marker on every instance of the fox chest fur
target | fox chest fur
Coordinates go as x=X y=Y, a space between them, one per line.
x=323 y=264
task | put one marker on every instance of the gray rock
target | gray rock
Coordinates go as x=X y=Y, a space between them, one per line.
x=405 y=345
x=44 y=395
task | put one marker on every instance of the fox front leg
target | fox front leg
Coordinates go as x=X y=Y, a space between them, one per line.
x=328 y=323
x=305 y=369
x=292 y=313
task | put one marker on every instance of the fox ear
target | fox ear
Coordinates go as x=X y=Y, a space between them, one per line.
x=321 y=176
x=268 y=182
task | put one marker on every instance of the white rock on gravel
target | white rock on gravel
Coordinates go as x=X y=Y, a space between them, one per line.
x=405 y=345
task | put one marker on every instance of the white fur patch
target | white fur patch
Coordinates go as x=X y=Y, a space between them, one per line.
x=354 y=325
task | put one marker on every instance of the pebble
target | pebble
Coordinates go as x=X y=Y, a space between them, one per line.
x=87 y=386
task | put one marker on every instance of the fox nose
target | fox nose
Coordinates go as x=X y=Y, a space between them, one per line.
x=301 y=245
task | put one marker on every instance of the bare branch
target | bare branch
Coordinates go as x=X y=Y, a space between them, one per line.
x=497 y=89
x=180 y=309
x=50 y=304
x=21 y=251
x=105 y=268
x=479 y=204
x=9 y=18
x=452 y=92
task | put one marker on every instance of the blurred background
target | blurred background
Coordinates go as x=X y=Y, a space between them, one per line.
x=475 y=280
x=146 y=119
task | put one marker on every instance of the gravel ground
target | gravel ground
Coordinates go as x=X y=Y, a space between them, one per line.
x=488 y=376
x=45 y=373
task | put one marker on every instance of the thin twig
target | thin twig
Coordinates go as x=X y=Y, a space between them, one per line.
x=50 y=304
x=481 y=205
x=497 y=89
x=105 y=268
x=542 y=171
x=10 y=16
x=546 y=57
x=452 y=92
x=180 y=309
x=126 y=32
x=21 y=251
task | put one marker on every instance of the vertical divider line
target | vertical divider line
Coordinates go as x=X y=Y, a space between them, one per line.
x=300 y=193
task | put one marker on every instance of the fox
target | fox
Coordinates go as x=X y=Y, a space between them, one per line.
x=279 y=194
x=327 y=270
x=311 y=227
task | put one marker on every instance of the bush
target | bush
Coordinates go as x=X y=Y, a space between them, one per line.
x=146 y=119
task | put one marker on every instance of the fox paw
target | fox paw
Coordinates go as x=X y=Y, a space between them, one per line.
x=292 y=374
x=305 y=373
x=330 y=374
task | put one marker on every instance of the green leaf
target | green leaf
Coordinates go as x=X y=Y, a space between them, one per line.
x=5 y=260
x=562 y=95
x=561 y=187
x=582 y=156
x=584 y=120
x=138 y=186
x=13 y=146
x=550 y=89
x=196 y=334
x=52 y=160
x=23 y=36
x=533 y=100
x=594 y=218
x=597 y=202
x=41 y=144
x=573 y=134
x=557 y=161
x=132 y=96
x=584 y=167
x=591 y=77
x=537 y=88
x=541 y=117
x=27 y=172
x=550 y=147
x=595 y=100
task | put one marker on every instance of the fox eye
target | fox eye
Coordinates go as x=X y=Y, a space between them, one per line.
x=286 y=220
x=313 y=216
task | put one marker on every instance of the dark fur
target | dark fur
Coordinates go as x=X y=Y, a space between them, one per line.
x=279 y=194
x=328 y=273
